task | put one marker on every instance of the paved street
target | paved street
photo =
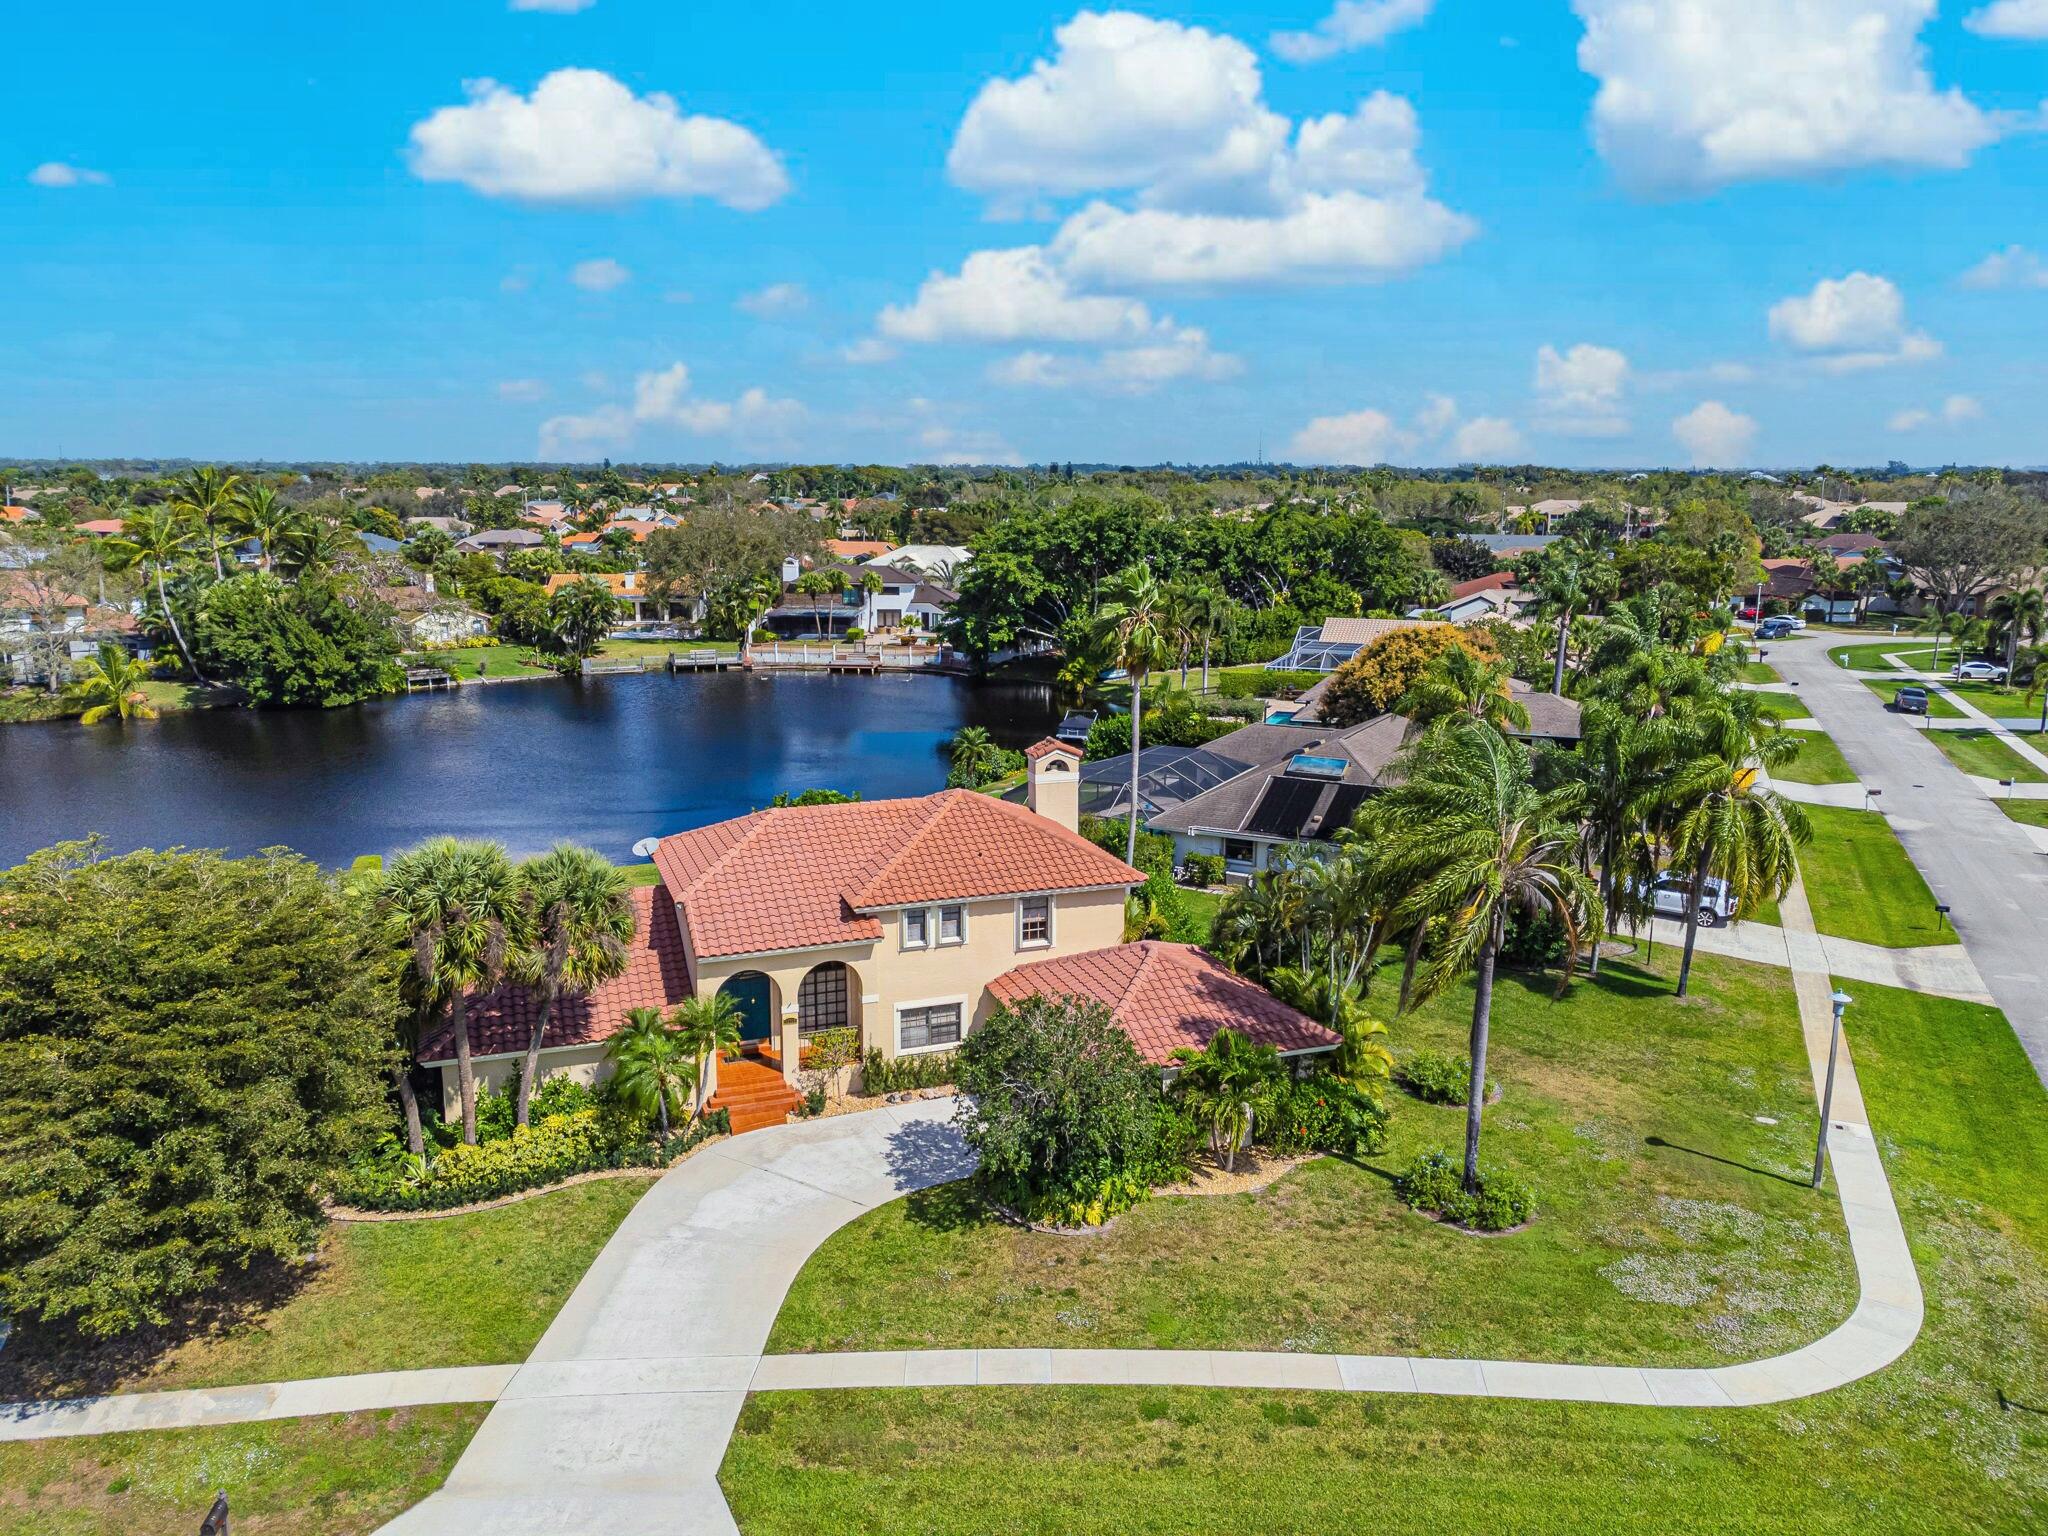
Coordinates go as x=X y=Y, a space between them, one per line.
x=1976 y=858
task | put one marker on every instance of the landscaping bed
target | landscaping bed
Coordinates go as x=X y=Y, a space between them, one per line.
x=1674 y=1226
x=1861 y=884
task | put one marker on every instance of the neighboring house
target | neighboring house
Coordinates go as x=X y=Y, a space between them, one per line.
x=500 y=541
x=906 y=921
x=1327 y=646
x=631 y=587
x=32 y=609
x=102 y=527
x=855 y=550
x=15 y=514
x=454 y=527
x=1847 y=547
x=1484 y=597
x=425 y=618
x=941 y=563
x=903 y=596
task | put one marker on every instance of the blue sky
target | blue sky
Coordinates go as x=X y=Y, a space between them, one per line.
x=1017 y=232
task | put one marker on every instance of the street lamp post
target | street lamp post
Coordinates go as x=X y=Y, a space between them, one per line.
x=1841 y=1001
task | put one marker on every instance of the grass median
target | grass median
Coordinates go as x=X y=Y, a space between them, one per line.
x=1819 y=761
x=1981 y=753
x=1861 y=884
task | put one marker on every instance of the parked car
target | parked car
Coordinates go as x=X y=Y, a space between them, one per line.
x=1910 y=701
x=1671 y=896
x=1796 y=620
x=1979 y=672
x=1774 y=628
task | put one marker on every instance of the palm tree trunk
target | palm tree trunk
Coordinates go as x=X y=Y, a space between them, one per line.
x=1205 y=661
x=409 y=1102
x=531 y=1067
x=465 y=1071
x=1692 y=927
x=1482 y=1024
x=1137 y=716
x=177 y=634
x=1557 y=675
x=661 y=1107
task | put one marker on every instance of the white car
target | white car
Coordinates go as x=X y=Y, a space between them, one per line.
x=1978 y=672
x=1671 y=896
x=1798 y=620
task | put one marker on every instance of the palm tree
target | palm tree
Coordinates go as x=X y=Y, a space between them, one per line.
x=258 y=514
x=109 y=686
x=1458 y=683
x=1470 y=838
x=1227 y=1081
x=1131 y=625
x=583 y=923
x=2022 y=613
x=975 y=756
x=2031 y=669
x=208 y=498
x=1209 y=609
x=315 y=543
x=1937 y=625
x=459 y=908
x=707 y=1027
x=158 y=542
x=1561 y=588
x=871 y=585
x=650 y=1069
x=1722 y=823
x=751 y=599
x=1619 y=761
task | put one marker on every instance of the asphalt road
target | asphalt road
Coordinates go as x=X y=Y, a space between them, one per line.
x=1976 y=859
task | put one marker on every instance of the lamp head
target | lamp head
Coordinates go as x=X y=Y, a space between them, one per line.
x=1841 y=1000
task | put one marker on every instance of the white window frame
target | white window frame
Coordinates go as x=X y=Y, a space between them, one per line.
x=896 y=1025
x=924 y=918
x=1051 y=906
x=938 y=928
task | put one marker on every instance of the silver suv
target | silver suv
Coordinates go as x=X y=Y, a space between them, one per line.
x=1671 y=896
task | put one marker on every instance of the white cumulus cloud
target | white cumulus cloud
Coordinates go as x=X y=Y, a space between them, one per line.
x=1353 y=24
x=1580 y=391
x=1359 y=437
x=2023 y=20
x=1486 y=440
x=1698 y=93
x=600 y=274
x=1185 y=354
x=1851 y=323
x=869 y=349
x=1715 y=436
x=665 y=398
x=1953 y=411
x=58 y=173
x=2013 y=267
x=777 y=301
x=557 y=7
x=1013 y=295
x=584 y=137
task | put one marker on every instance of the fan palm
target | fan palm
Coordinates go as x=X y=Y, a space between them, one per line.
x=975 y=756
x=459 y=908
x=156 y=542
x=651 y=1068
x=583 y=923
x=109 y=687
x=208 y=497
x=1458 y=683
x=707 y=1027
x=1131 y=624
x=1469 y=839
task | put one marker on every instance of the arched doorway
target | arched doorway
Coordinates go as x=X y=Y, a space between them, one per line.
x=754 y=995
x=826 y=999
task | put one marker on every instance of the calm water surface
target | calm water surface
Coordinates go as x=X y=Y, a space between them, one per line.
x=603 y=762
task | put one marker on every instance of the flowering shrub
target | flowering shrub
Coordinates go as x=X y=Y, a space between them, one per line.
x=1324 y=1113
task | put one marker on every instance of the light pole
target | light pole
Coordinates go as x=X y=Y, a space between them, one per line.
x=1841 y=1001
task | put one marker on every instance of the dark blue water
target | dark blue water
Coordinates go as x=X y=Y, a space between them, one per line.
x=602 y=762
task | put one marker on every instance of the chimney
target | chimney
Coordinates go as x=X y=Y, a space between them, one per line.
x=1052 y=781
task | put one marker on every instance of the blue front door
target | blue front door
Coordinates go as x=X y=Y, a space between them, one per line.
x=749 y=992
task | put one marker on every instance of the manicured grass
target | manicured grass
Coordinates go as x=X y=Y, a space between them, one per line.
x=641 y=874
x=1862 y=885
x=2033 y=813
x=1949 y=1438
x=521 y=661
x=1937 y=706
x=1202 y=907
x=1819 y=761
x=1758 y=672
x=1673 y=1226
x=331 y=1476
x=476 y=1289
x=1983 y=754
x=1781 y=706
x=1870 y=657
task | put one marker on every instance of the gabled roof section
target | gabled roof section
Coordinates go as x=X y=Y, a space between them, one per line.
x=801 y=877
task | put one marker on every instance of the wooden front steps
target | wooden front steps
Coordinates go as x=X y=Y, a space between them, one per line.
x=753 y=1094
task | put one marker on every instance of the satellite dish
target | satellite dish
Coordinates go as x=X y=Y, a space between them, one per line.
x=644 y=849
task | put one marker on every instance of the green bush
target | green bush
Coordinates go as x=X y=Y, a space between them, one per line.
x=1439 y=1077
x=906 y=1074
x=1110 y=1196
x=1205 y=869
x=1258 y=683
x=1155 y=849
x=1235 y=709
x=1323 y=1113
x=1435 y=1182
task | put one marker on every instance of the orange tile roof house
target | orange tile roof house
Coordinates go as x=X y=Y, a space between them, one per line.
x=907 y=921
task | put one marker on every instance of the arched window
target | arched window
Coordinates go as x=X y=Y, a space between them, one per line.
x=821 y=999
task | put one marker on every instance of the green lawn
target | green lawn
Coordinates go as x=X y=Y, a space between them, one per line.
x=1862 y=885
x=1937 y=706
x=1781 y=706
x=1202 y=907
x=1674 y=1227
x=2033 y=813
x=332 y=1476
x=1983 y=754
x=1870 y=657
x=398 y=1295
x=520 y=660
x=1819 y=761
x=1758 y=672
x=641 y=874
x=1952 y=1437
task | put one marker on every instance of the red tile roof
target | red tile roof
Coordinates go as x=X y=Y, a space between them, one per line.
x=656 y=976
x=1499 y=581
x=796 y=877
x=1047 y=747
x=1166 y=996
x=854 y=549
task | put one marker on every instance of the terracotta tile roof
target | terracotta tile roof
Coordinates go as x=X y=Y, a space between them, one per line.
x=1499 y=581
x=795 y=877
x=102 y=526
x=1166 y=996
x=1047 y=747
x=855 y=549
x=656 y=976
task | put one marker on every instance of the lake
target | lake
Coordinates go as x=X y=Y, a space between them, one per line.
x=602 y=761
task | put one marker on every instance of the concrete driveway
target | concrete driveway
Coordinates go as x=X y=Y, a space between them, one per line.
x=1976 y=858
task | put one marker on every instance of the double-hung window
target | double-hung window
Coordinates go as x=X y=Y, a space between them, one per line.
x=952 y=925
x=1034 y=922
x=928 y=1028
x=917 y=927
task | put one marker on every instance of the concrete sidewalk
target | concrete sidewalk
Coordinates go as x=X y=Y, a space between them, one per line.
x=1942 y=969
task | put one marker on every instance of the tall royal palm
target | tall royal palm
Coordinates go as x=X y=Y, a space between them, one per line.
x=156 y=542
x=582 y=925
x=1718 y=819
x=1619 y=762
x=459 y=908
x=208 y=498
x=1132 y=627
x=1469 y=839
x=1561 y=588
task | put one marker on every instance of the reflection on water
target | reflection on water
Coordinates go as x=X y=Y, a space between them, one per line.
x=603 y=762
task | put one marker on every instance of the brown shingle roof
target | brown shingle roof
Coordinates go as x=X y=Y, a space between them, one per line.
x=1166 y=996
x=656 y=976
x=796 y=877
